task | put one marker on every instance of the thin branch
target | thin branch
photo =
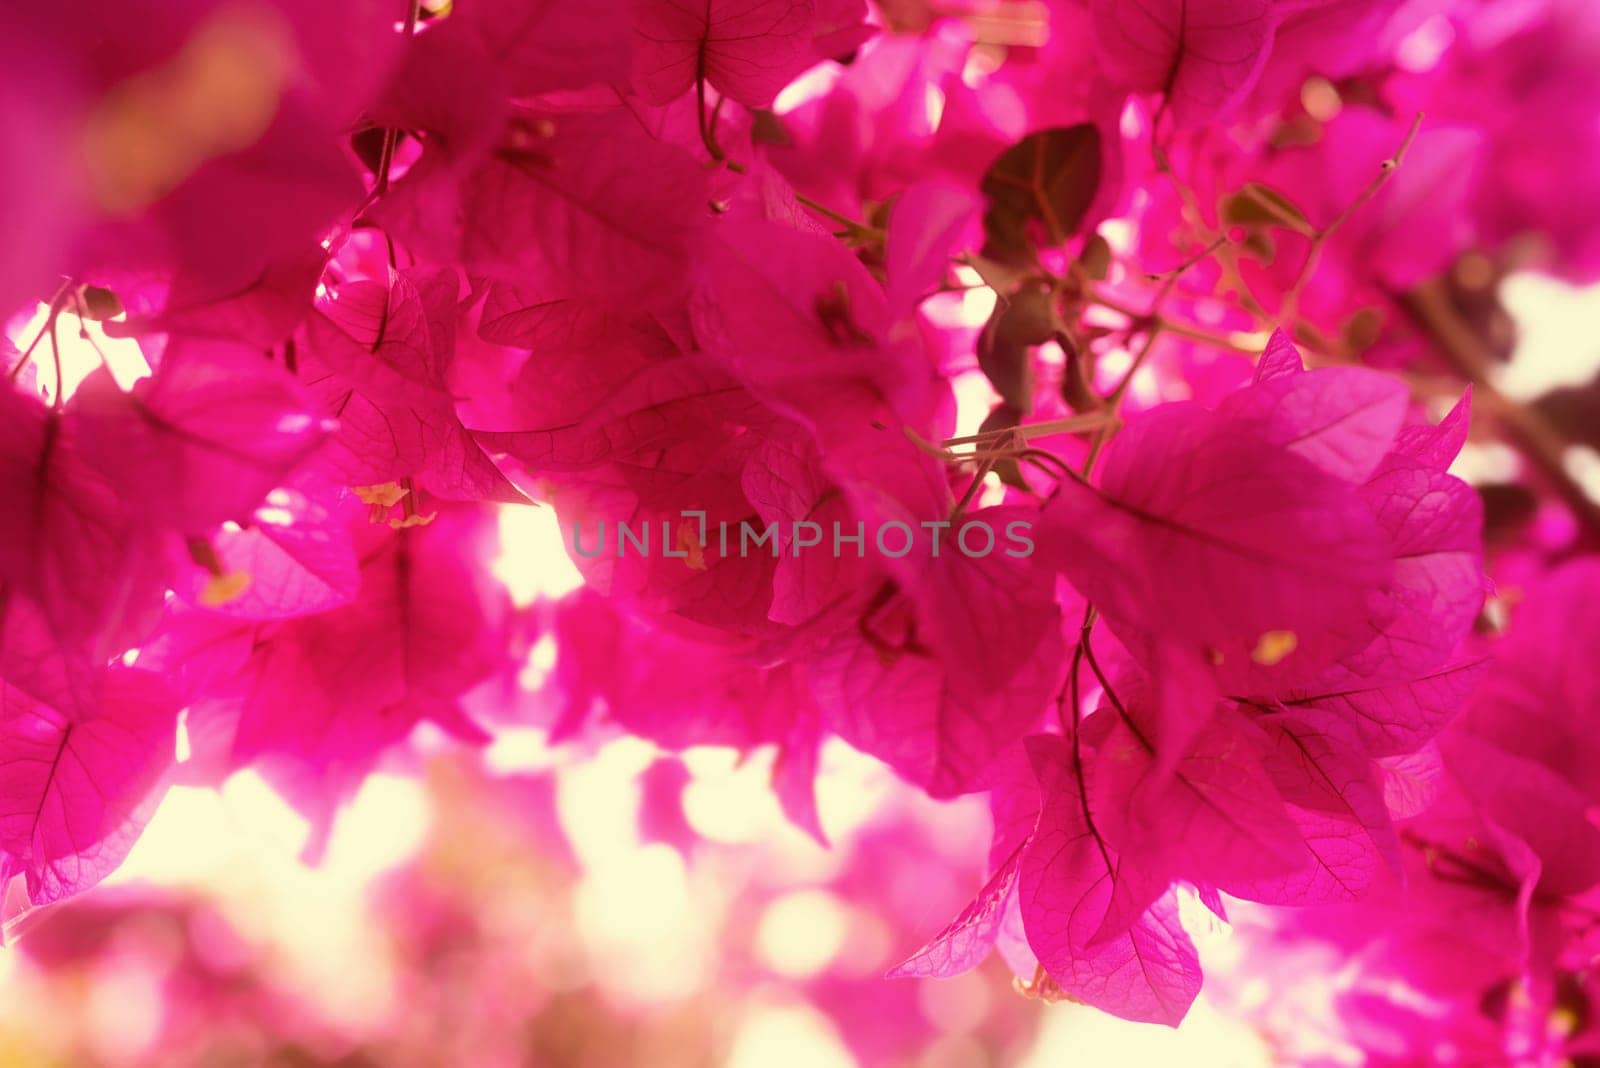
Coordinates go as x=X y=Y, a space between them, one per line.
x=1042 y=457
x=853 y=228
x=984 y=467
x=1533 y=436
x=1175 y=327
x=1171 y=277
x=391 y=136
x=1070 y=425
x=55 y=354
x=1228 y=255
x=1114 y=398
x=1291 y=299
x=57 y=301
x=708 y=135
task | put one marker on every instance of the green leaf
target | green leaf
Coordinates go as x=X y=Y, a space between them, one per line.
x=97 y=304
x=1039 y=190
x=1574 y=412
x=1003 y=278
x=1095 y=259
x=1005 y=345
x=1507 y=509
x=1261 y=205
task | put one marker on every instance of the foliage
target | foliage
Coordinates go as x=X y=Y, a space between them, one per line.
x=1232 y=301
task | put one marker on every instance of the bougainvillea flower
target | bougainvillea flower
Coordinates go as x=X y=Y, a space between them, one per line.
x=1093 y=428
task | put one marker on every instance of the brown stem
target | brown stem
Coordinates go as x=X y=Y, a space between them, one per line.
x=1429 y=307
x=1227 y=257
x=1175 y=327
x=1171 y=277
x=1291 y=299
x=708 y=135
x=1072 y=424
x=852 y=227
x=55 y=354
x=56 y=303
x=982 y=472
x=391 y=136
x=1114 y=398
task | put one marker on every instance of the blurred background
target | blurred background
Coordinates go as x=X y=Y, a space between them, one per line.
x=494 y=910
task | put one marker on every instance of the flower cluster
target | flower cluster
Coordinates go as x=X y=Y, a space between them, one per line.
x=1196 y=296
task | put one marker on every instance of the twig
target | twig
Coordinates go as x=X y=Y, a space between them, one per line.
x=391 y=136
x=1171 y=326
x=982 y=472
x=1228 y=258
x=708 y=135
x=1291 y=299
x=55 y=354
x=852 y=227
x=57 y=302
x=1050 y=463
x=1171 y=277
x=1114 y=398
x=1070 y=425
x=1542 y=444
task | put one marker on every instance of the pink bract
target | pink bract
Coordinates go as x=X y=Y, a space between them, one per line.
x=1106 y=415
